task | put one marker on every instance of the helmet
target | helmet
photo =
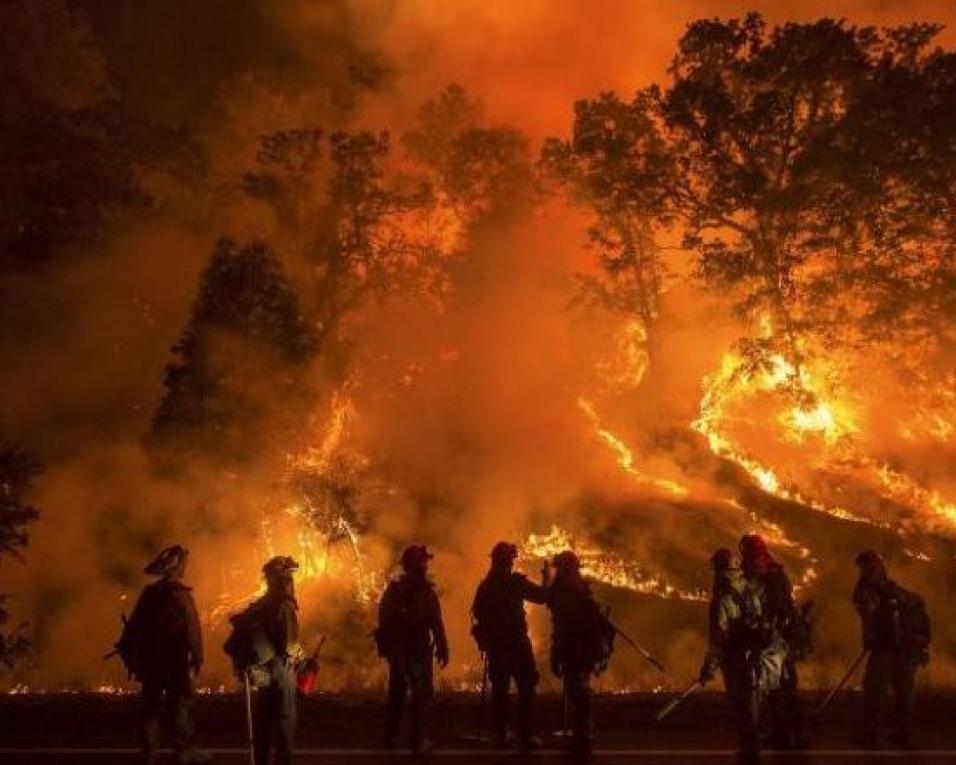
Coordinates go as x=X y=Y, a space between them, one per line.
x=567 y=561
x=722 y=559
x=415 y=555
x=869 y=560
x=280 y=565
x=167 y=561
x=753 y=546
x=504 y=551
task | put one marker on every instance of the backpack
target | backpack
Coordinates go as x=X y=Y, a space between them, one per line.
x=753 y=632
x=915 y=626
x=248 y=646
x=901 y=622
x=498 y=612
x=403 y=619
x=157 y=628
x=798 y=632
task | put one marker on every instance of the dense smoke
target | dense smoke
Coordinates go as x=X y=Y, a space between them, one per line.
x=451 y=384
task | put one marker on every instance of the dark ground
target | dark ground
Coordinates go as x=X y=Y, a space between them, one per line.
x=57 y=728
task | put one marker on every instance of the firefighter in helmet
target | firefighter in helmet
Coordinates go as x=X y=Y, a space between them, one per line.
x=161 y=646
x=790 y=630
x=500 y=628
x=581 y=642
x=896 y=633
x=276 y=703
x=410 y=636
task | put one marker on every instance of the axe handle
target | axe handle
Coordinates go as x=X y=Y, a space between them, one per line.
x=674 y=703
x=641 y=650
x=841 y=685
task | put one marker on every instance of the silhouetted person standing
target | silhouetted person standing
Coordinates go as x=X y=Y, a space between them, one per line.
x=581 y=642
x=785 y=622
x=501 y=631
x=410 y=636
x=162 y=647
x=722 y=564
x=742 y=644
x=897 y=634
x=277 y=619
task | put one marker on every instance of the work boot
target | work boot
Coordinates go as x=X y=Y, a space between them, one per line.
x=193 y=754
x=531 y=743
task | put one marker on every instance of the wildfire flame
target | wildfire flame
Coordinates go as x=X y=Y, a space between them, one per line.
x=331 y=552
x=624 y=455
x=831 y=421
x=602 y=566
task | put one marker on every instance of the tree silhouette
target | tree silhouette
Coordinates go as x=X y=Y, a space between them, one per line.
x=755 y=121
x=17 y=470
x=812 y=176
x=244 y=348
x=616 y=164
x=483 y=171
x=345 y=215
x=893 y=212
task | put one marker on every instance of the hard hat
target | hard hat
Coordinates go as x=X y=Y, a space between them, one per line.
x=722 y=558
x=280 y=565
x=504 y=551
x=168 y=560
x=415 y=555
x=567 y=560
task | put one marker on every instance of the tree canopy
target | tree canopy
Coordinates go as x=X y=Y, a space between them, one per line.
x=242 y=348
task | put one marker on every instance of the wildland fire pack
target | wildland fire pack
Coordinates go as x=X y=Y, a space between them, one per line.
x=155 y=636
x=405 y=618
x=248 y=645
x=901 y=623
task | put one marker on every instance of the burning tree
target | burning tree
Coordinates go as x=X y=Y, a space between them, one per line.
x=794 y=160
x=17 y=470
x=616 y=164
x=756 y=122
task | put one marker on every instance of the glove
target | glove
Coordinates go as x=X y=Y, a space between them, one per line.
x=706 y=673
x=441 y=654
